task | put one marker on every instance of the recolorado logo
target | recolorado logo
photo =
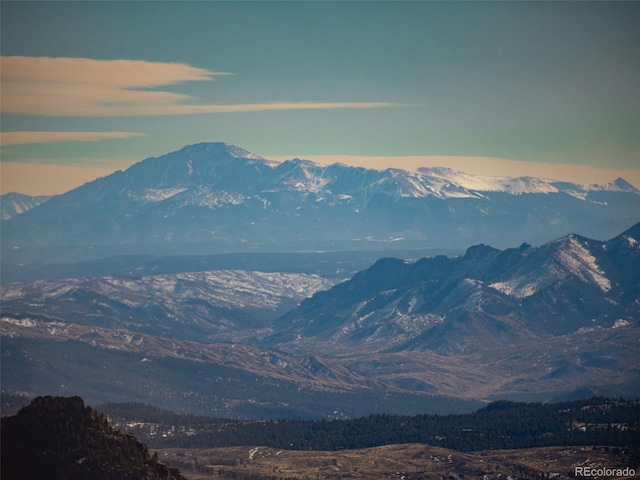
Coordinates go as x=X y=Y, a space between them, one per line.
x=604 y=472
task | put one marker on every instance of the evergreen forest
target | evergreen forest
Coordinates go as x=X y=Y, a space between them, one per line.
x=499 y=425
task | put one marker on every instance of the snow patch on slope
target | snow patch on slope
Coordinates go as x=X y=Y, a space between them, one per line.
x=205 y=197
x=479 y=183
x=571 y=258
x=14 y=204
x=21 y=322
x=518 y=287
x=576 y=259
x=225 y=288
x=312 y=182
x=152 y=195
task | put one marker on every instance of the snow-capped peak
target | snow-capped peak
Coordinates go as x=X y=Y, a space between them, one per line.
x=481 y=183
x=241 y=152
x=618 y=185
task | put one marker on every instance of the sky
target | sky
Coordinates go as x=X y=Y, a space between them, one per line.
x=548 y=89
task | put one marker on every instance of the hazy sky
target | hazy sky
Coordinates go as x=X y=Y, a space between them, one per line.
x=547 y=89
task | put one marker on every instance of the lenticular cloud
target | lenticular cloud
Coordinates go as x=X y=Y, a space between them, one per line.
x=84 y=87
x=87 y=87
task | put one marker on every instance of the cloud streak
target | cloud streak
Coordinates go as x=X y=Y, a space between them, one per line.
x=83 y=87
x=27 y=138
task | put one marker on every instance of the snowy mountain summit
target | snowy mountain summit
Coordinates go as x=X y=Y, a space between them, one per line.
x=520 y=185
x=219 y=197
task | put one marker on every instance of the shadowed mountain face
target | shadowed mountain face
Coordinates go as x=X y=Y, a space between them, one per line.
x=484 y=299
x=56 y=437
x=215 y=197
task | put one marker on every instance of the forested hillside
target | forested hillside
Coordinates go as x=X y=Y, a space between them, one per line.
x=499 y=425
x=61 y=438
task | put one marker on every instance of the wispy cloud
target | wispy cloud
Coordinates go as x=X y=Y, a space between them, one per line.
x=83 y=87
x=26 y=138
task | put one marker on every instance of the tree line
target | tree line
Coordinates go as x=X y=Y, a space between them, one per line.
x=499 y=425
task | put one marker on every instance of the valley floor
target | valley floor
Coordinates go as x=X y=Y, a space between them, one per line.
x=411 y=461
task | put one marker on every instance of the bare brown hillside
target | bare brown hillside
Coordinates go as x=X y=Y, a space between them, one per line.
x=413 y=461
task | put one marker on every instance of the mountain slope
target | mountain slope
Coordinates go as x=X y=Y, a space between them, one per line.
x=227 y=380
x=16 y=203
x=531 y=323
x=215 y=197
x=204 y=306
x=477 y=301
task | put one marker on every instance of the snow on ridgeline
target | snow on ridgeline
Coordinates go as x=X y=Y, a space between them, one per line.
x=570 y=257
x=521 y=185
x=480 y=183
x=618 y=185
x=14 y=204
x=576 y=259
x=238 y=288
x=241 y=152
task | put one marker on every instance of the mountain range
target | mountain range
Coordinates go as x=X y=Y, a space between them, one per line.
x=482 y=299
x=215 y=197
x=559 y=320
x=203 y=306
x=212 y=280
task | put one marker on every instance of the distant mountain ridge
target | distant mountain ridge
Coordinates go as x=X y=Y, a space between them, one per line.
x=199 y=306
x=17 y=203
x=556 y=317
x=480 y=300
x=520 y=185
x=560 y=320
x=219 y=198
